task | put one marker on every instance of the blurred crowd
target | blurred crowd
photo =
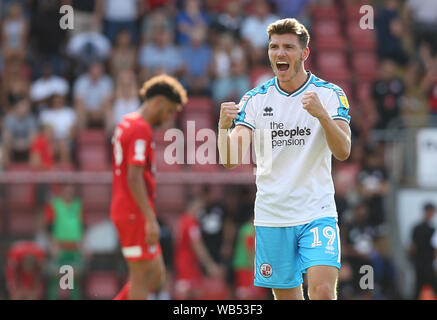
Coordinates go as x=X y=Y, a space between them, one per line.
x=56 y=83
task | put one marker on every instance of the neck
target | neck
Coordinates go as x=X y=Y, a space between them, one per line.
x=145 y=114
x=295 y=83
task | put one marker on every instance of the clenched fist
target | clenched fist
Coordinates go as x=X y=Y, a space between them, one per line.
x=312 y=104
x=228 y=112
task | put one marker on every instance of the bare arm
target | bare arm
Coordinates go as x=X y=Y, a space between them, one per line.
x=338 y=136
x=337 y=132
x=205 y=258
x=138 y=190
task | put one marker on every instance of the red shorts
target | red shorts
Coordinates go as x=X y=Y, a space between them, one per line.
x=132 y=235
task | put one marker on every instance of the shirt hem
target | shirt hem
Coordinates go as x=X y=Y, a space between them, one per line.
x=294 y=223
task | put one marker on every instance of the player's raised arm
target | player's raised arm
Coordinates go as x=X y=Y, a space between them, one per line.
x=234 y=145
x=337 y=132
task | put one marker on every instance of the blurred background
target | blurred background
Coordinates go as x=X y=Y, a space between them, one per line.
x=63 y=91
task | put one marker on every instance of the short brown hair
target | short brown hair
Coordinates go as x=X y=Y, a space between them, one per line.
x=290 y=25
x=166 y=86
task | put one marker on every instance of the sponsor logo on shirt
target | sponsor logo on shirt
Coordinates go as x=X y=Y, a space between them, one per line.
x=268 y=112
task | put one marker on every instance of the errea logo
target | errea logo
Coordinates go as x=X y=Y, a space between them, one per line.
x=268 y=112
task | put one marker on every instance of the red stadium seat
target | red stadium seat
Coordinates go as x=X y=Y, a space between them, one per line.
x=327 y=35
x=259 y=75
x=170 y=198
x=93 y=158
x=199 y=103
x=93 y=217
x=329 y=11
x=207 y=167
x=201 y=120
x=96 y=197
x=361 y=40
x=94 y=137
x=163 y=166
x=20 y=196
x=102 y=285
x=365 y=65
x=352 y=10
x=332 y=64
x=22 y=222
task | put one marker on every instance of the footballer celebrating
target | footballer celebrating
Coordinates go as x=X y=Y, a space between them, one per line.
x=133 y=190
x=295 y=213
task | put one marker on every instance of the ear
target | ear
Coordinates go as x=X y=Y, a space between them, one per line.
x=306 y=53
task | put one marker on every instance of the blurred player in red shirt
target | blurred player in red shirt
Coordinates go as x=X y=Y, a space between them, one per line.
x=24 y=271
x=133 y=190
x=191 y=255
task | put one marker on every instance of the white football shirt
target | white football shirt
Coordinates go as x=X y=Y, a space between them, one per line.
x=294 y=182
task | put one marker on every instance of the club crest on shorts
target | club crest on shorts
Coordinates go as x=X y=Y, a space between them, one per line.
x=266 y=270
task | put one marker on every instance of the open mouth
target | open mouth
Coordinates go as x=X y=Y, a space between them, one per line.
x=282 y=66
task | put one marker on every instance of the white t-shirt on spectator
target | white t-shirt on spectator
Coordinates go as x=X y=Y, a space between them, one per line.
x=45 y=87
x=124 y=10
x=123 y=107
x=61 y=120
x=92 y=93
x=424 y=11
x=254 y=30
x=98 y=41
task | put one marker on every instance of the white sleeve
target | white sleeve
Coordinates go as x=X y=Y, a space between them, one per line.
x=338 y=106
x=246 y=116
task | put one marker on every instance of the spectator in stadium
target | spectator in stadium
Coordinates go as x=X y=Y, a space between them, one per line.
x=14 y=33
x=390 y=33
x=160 y=56
x=15 y=85
x=44 y=21
x=123 y=55
x=62 y=121
x=159 y=19
x=63 y=217
x=243 y=265
x=422 y=253
x=126 y=98
x=47 y=85
x=428 y=87
x=25 y=271
x=229 y=69
x=85 y=47
x=92 y=93
x=387 y=92
x=253 y=30
x=197 y=56
x=373 y=184
x=345 y=176
x=87 y=15
x=121 y=15
x=189 y=282
x=188 y=18
x=357 y=243
x=19 y=129
x=41 y=151
x=231 y=19
x=212 y=220
x=423 y=13
x=298 y=9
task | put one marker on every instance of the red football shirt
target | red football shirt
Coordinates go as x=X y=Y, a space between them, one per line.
x=132 y=144
x=186 y=264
